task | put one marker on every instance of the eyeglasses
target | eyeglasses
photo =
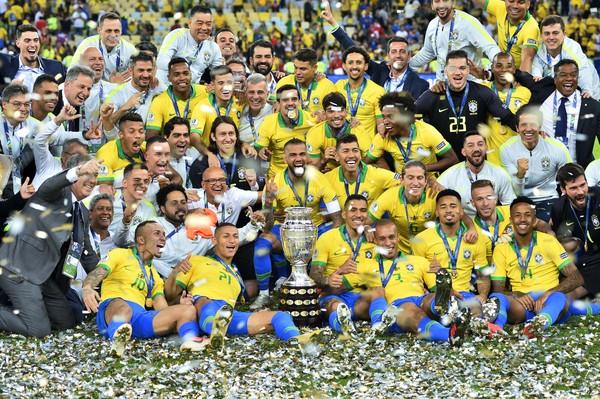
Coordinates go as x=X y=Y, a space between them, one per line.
x=215 y=181
x=18 y=104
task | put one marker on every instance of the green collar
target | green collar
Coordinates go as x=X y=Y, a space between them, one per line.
x=499 y=216
x=313 y=84
x=533 y=237
x=282 y=124
x=403 y=197
x=172 y=93
x=362 y=167
x=121 y=153
x=462 y=227
x=138 y=256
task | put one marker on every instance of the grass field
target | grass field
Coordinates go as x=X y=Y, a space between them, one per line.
x=565 y=363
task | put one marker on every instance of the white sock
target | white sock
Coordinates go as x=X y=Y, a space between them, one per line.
x=264 y=292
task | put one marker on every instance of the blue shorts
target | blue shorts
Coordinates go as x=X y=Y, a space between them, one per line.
x=417 y=300
x=239 y=320
x=530 y=314
x=349 y=298
x=467 y=295
x=141 y=320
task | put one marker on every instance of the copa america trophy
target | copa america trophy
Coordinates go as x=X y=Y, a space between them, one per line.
x=299 y=292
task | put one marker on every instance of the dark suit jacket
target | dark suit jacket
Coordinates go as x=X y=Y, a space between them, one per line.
x=588 y=125
x=9 y=66
x=39 y=248
x=380 y=72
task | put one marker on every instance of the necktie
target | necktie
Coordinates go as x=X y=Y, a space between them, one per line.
x=77 y=223
x=560 y=132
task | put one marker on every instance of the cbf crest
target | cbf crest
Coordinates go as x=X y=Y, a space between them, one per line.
x=595 y=221
x=410 y=267
x=310 y=198
x=466 y=254
x=539 y=258
x=472 y=106
x=368 y=254
x=545 y=163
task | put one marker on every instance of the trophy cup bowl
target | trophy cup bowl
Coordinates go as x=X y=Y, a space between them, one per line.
x=299 y=294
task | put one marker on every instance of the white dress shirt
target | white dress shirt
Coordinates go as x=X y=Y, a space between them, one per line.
x=550 y=111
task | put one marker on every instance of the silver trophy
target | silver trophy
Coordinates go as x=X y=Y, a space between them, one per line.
x=299 y=292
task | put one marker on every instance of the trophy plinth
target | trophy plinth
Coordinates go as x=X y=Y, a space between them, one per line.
x=299 y=292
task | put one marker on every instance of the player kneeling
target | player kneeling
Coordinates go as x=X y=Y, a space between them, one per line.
x=132 y=302
x=215 y=286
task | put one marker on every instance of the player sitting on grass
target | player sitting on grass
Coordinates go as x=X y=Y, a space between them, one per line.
x=132 y=301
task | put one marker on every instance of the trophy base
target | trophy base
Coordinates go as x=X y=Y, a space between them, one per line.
x=303 y=304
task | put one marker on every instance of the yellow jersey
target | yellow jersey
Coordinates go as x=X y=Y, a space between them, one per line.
x=424 y=143
x=429 y=244
x=333 y=249
x=548 y=258
x=499 y=133
x=211 y=278
x=273 y=133
x=527 y=31
x=162 y=108
x=321 y=136
x=115 y=160
x=370 y=183
x=365 y=109
x=410 y=276
x=126 y=280
x=205 y=113
x=311 y=97
x=310 y=192
x=493 y=232
x=410 y=218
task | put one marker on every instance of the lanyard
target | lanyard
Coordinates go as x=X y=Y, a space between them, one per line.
x=251 y=122
x=405 y=202
x=150 y=279
x=586 y=234
x=287 y=179
x=483 y=224
x=549 y=58
x=406 y=152
x=213 y=101
x=508 y=96
x=231 y=270
x=470 y=175
x=348 y=239
x=118 y=53
x=452 y=254
x=96 y=239
x=173 y=232
x=220 y=206
x=435 y=50
x=388 y=83
x=458 y=112
x=186 y=110
x=385 y=278
x=523 y=263
x=101 y=94
x=197 y=51
x=513 y=40
x=357 y=182
x=305 y=103
x=342 y=132
x=354 y=106
x=229 y=176
x=9 y=148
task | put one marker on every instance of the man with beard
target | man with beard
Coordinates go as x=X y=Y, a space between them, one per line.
x=533 y=263
x=356 y=177
x=180 y=98
x=114 y=49
x=226 y=40
x=277 y=129
x=394 y=75
x=260 y=59
x=177 y=133
x=407 y=138
x=28 y=65
x=193 y=44
x=293 y=186
x=132 y=301
x=137 y=94
x=44 y=98
x=257 y=109
x=158 y=155
x=362 y=96
x=462 y=105
x=310 y=90
x=475 y=167
x=341 y=256
x=451 y=30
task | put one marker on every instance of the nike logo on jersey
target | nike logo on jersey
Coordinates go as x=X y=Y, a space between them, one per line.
x=570 y=224
x=443 y=110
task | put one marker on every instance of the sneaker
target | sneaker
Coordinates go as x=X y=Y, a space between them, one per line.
x=308 y=342
x=219 y=327
x=344 y=317
x=480 y=326
x=119 y=339
x=279 y=283
x=535 y=327
x=458 y=327
x=490 y=309
x=443 y=290
x=388 y=319
x=196 y=344
x=261 y=301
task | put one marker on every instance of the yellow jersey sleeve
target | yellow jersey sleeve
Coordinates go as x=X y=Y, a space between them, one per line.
x=377 y=148
x=159 y=284
x=500 y=262
x=266 y=131
x=530 y=35
x=382 y=204
x=495 y=7
x=322 y=246
x=433 y=139
x=559 y=256
x=198 y=117
x=480 y=257
x=112 y=260
x=327 y=193
x=315 y=144
x=157 y=108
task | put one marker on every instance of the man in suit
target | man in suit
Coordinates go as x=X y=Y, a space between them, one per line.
x=28 y=65
x=395 y=75
x=51 y=240
x=568 y=116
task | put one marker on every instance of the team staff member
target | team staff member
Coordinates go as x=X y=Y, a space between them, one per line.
x=132 y=301
x=311 y=90
x=362 y=96
x=512 y=95
x=463 y=105
x=277 y=129
x=180 y=98
x=356 y=177
x=407 y=138
x=518 y=31
x=193 y=44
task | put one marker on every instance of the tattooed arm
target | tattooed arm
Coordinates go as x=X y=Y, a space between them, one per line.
x=91 y=298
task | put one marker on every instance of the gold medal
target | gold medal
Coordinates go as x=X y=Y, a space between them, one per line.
x=149 y=303
x=454 y=273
